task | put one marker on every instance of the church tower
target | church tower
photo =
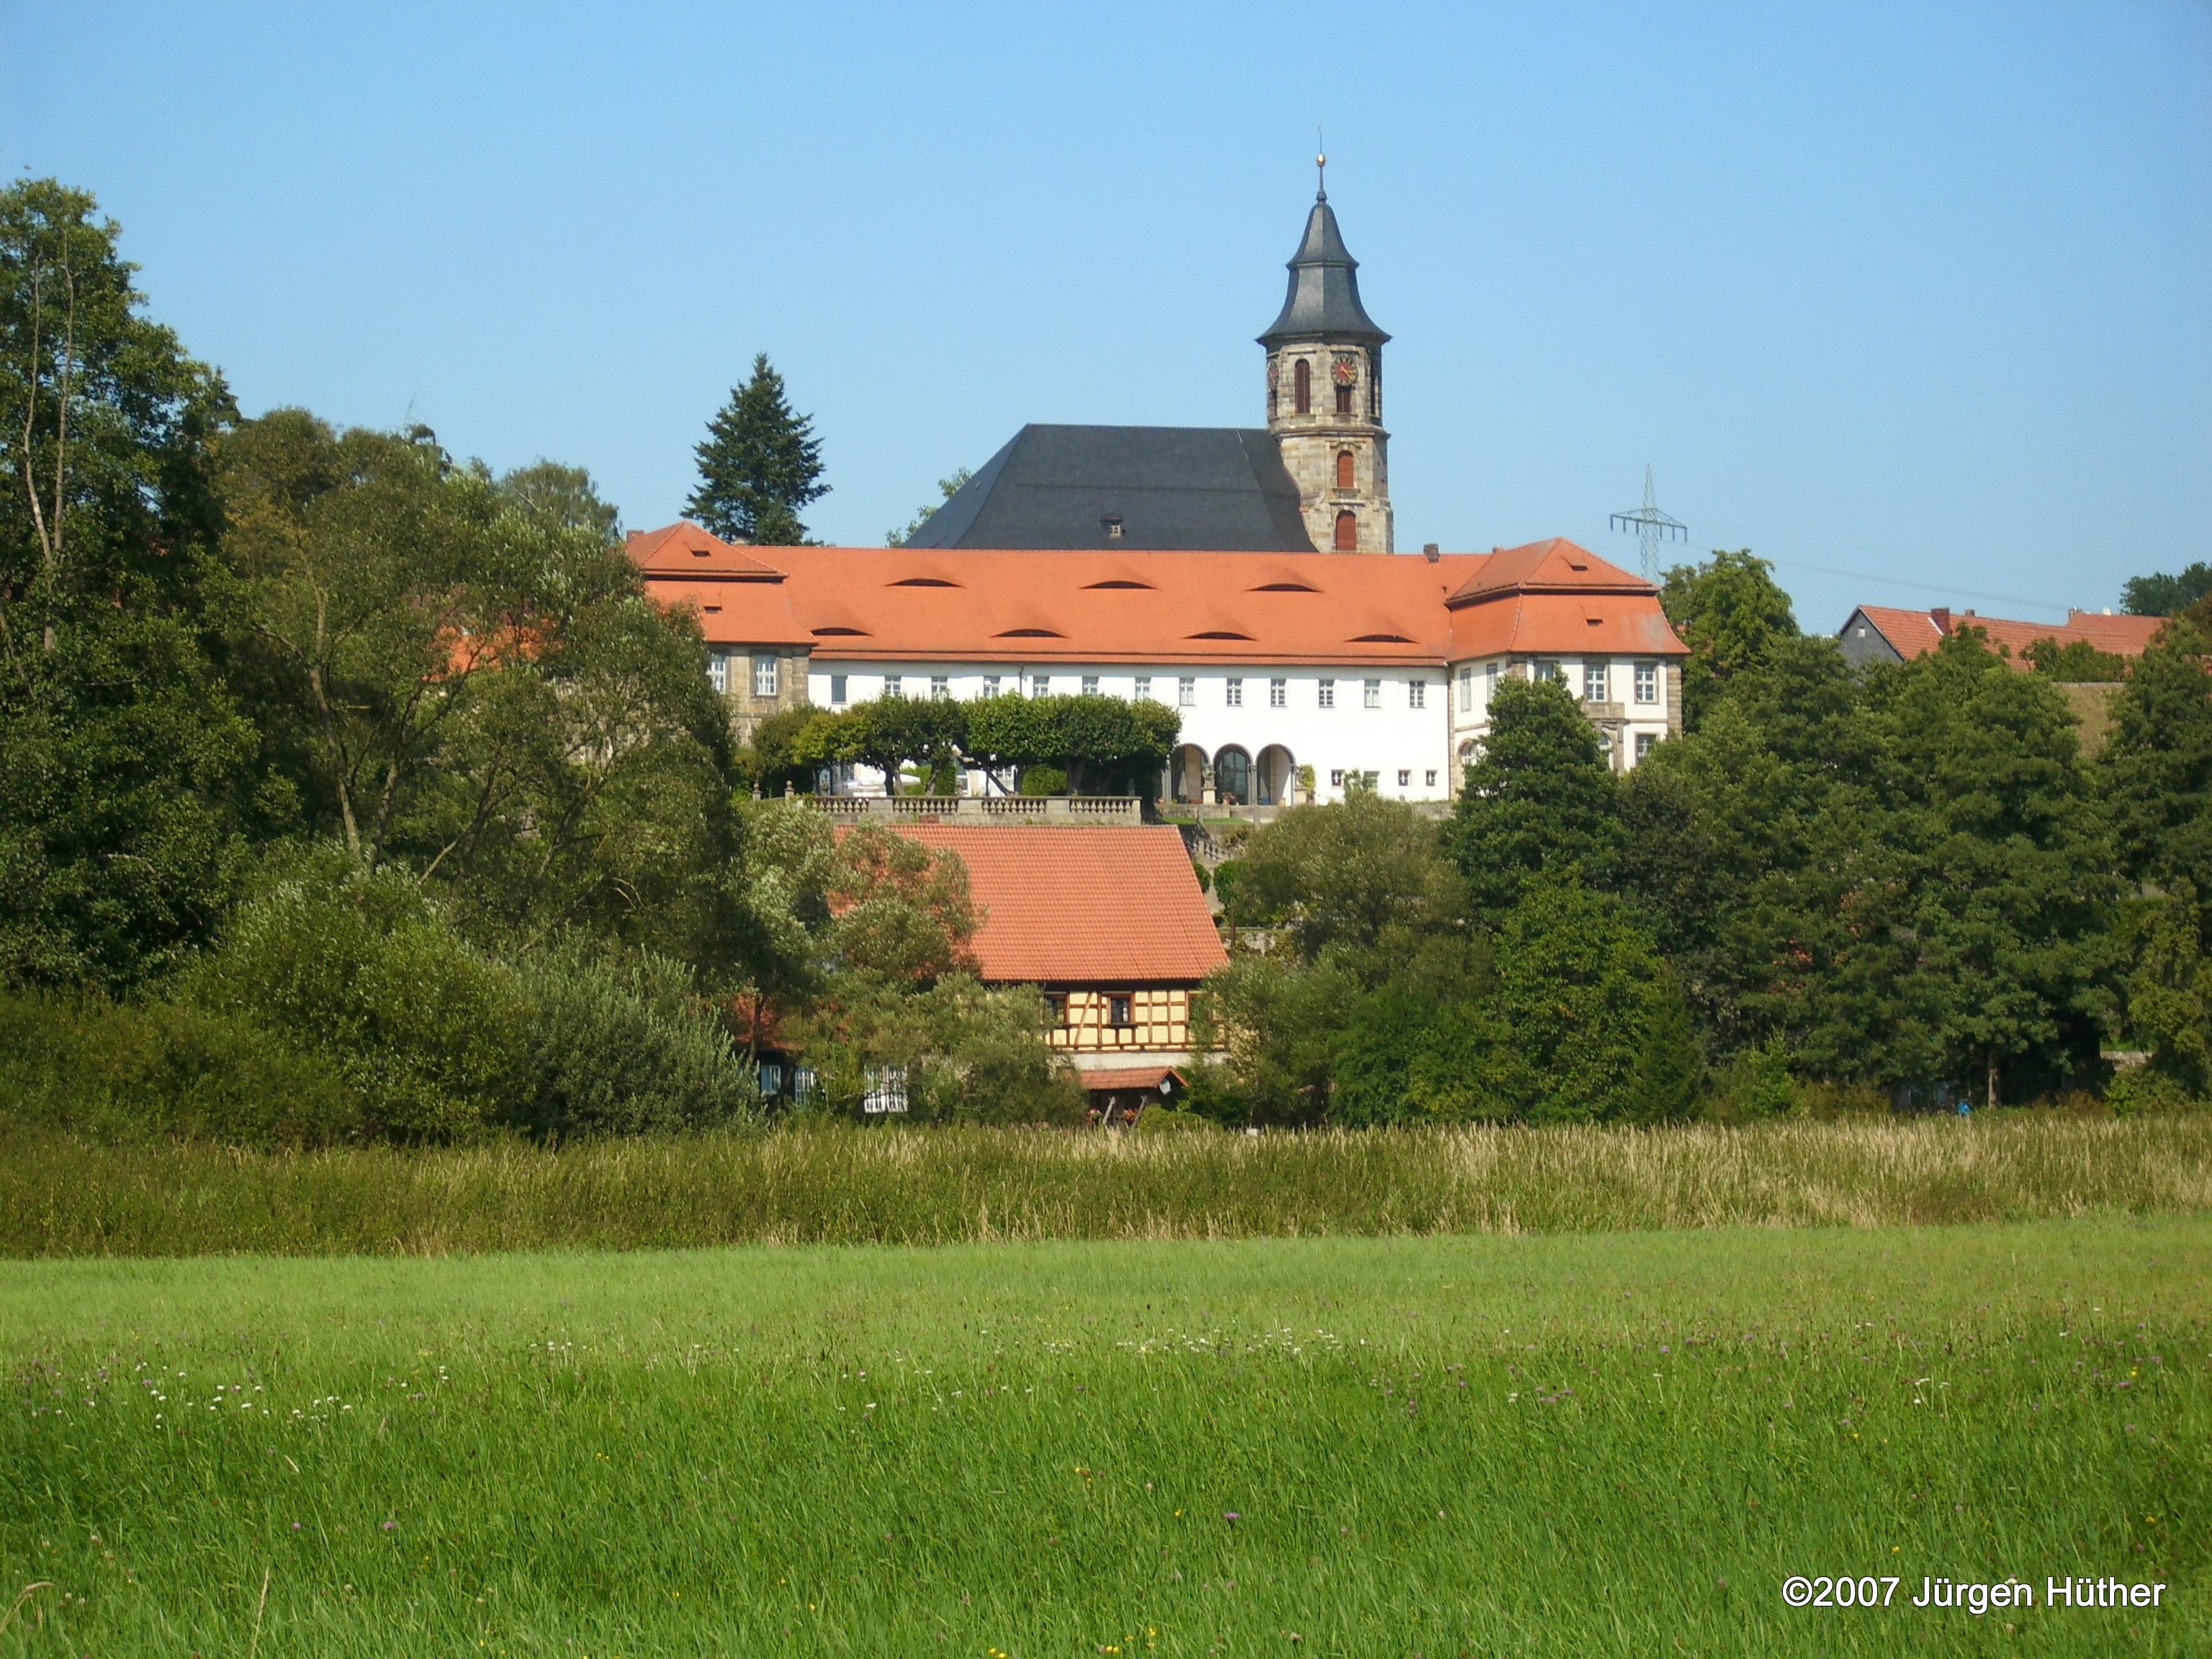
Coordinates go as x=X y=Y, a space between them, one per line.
x=1325 y=392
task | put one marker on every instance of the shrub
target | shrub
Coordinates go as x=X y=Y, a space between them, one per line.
x=2133 y=1094
x=1042 y=779
x=124 y=1071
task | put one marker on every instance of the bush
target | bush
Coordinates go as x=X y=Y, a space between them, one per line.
x=2134 y=1093
x=1755 y=1084
x=619 y=1048
x=1044 y=779
x=124 y=1072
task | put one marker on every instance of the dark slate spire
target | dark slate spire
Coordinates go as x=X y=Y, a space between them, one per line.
x=1324 y=296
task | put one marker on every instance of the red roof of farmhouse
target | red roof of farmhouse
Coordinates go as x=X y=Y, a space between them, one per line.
x=1079 y=904
x=877 y=603
x=1912 y=633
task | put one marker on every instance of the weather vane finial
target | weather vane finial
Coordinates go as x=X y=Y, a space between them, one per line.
x=1320 y=166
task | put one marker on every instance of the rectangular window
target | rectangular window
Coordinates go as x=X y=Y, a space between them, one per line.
x=1643 y=742
x=1405 y=777
x=990 y=685
x=940 y=688
x=1490 y=674
x=1336 y=779
x=1596 y=682
x=1429 y=776
x=837 y=683
x=1466 y=688
x=891 y=684
x=718 y=671
x=1279 y=694
x=1372 y=695
x=765 y=676
x=1120 y=1011
x=1233 y=693
x=1055 y=1007
x=1041 y=685
x=1547 y=671
x=1647 y=682
x=1328 y=693
x=1187 y=692
x=1144 y=692
x=1090 y=685
x=1417 y=693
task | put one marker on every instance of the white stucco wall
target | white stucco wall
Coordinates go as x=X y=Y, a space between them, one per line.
x=1409 y=749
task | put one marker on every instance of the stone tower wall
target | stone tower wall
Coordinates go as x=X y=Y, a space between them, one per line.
x=1311 y=443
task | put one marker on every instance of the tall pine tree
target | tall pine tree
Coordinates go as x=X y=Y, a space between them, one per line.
x=760 y=464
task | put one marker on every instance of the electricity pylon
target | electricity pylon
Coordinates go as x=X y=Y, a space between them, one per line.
x=1651 y=527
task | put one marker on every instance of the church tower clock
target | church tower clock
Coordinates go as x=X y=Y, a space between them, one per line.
x=1325 y=392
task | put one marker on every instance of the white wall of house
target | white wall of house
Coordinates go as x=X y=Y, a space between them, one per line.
x=1410 y=728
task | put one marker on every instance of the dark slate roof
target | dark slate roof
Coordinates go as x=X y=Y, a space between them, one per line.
x=1173 y=488
x=1324 y=296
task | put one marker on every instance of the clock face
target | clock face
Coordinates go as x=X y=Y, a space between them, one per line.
x=1347 y=370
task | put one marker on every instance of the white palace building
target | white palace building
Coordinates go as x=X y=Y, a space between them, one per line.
x=1185 y=564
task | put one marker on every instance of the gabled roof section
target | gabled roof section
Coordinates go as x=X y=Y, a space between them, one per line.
x=1912 y=633
x=690 y=552
x=1082 y=905
x=1163 y=487
x=1017 y=607
x=1556 y=566
x=1323 y=300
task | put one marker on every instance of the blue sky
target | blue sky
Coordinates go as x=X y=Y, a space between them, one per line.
x=1915 y=299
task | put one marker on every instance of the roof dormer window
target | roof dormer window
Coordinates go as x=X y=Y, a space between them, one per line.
x=1112 y=523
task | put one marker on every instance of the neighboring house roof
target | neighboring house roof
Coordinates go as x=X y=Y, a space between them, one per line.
x=1910 y=634
x=1187 y=487
x=1082 y=904
x=683 y=548
x=1323 y=301
x=1024 y=607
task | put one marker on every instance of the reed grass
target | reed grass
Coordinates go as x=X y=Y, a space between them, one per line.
x=61 y=1197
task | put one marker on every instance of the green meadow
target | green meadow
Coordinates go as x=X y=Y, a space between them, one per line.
x=1574 y=1444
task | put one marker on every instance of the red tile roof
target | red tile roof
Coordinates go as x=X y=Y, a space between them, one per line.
x=1083 y=905
x=1912 y=633
x=1123 y=1077
x=878 y=604
x=686 y=550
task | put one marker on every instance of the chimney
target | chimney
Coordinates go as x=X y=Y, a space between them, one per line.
x=1429 y=551
x=1940 y=616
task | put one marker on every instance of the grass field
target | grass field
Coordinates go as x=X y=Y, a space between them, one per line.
x=62 y=1197
x=1566 y=1445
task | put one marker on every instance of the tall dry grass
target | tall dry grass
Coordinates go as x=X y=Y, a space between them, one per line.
x=63 y=1197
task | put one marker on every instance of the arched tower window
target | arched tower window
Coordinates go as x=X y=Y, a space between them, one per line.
x=1347 y=532
x=1344 y=469
x=1303 y=376
x=1343 y=399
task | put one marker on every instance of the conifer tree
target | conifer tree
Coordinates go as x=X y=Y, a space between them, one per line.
x=759 y=465
x=1540 y=799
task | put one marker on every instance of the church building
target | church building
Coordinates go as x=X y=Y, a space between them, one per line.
x=1246 y=575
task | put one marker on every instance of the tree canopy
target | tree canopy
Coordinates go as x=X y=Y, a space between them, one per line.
x=1731 y=614
x=759 y=465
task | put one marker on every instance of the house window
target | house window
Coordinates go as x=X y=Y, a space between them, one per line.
x=1041 y=685
x=1344 y=400
x=1187 y=692
x=1090 y=685
x=1466 y=688
x=1302 y=385
x=1429 y=777
x=1417 y=693
x=1328 y=690
x=1547 y=671
x=990 y=685
x=1647 y=682
x=1233 y=693
x=1113 y=528
x=1370 y=694
x=718 y=672
x=940 y=688
x=886 y=1091
x=1279 y=694
x=1347 y=532
x=1595 y=678
x=1336 y=779
x=1144 y=693
x=1490 y=673
x=1643 y=742
x=1055 y=1007
x=1405 y=777
x=765 y=676
x=1120 y=1011
x=1344 y=469
x=891 y=685
x=837 y=683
